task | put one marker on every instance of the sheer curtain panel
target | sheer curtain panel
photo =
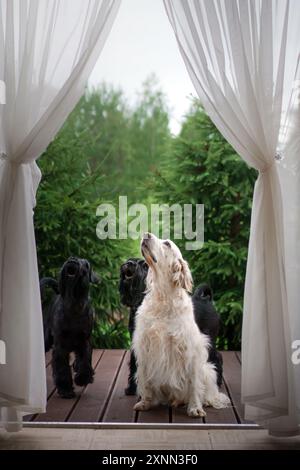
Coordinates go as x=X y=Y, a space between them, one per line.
x=47 y=51
x=242 y=58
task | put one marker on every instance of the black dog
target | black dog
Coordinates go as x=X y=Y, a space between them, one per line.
x=68 y=324
x=132 y=286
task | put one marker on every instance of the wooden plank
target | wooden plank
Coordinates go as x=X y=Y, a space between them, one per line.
x=232 y=379
x=58 y=409
x=224 y=415
x=48 y=357
x=105 y=398
x=179 y=415
x=258 y=440
x=159 y=414
x=93 y=400
x=120 y=406
x=135 y=439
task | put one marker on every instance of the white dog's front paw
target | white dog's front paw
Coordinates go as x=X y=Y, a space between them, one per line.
x=220 y=401
x=142 y=405
x=196 y=411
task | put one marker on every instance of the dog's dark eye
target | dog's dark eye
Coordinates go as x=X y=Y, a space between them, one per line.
x=168 y=244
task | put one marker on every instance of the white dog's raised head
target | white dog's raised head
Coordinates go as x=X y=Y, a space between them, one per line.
x=166 y=262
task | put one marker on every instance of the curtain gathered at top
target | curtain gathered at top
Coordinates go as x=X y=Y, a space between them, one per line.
x=242 y=57
x=47 y=51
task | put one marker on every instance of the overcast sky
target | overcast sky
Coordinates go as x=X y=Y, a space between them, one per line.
x=142 y=42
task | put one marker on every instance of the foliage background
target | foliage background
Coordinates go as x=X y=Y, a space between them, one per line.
x=109 y=147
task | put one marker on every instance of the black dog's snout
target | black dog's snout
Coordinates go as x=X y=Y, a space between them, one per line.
x=72 y=267
x=128 y=269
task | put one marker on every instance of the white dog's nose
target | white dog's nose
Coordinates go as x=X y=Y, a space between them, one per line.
x=147 y=235
x=146 y=239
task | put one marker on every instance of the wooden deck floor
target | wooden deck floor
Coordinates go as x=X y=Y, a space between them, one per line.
x=105 y=401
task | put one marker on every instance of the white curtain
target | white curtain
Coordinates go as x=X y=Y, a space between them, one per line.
x=242 y=58
x=47 y=51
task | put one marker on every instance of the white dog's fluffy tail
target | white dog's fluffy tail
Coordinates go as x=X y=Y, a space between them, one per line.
x=213 y=397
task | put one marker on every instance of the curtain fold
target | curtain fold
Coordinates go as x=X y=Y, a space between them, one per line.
x=47 y=51
x=242 y=58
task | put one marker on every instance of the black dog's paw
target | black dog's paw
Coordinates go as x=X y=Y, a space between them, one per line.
x=130 y=390
x=66 y=393
x=84 y=378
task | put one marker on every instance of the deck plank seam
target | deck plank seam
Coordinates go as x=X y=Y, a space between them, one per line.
x=170 y=414
x=111 y=389
x=236 y=414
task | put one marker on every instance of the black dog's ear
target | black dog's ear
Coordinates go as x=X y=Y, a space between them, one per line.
x=49 y=282
x=94 y=278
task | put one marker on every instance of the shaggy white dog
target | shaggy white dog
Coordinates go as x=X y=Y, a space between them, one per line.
x=170 y=350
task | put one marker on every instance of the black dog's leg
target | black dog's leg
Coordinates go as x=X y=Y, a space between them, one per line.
x=219 y=368
x=216 y=358
x=83 y=365
x=62 y=373
x=131 y=387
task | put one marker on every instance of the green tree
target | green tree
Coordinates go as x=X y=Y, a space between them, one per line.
x=202 y=168
x=131 y=138
x=103 y=114
x=149 y=136
x=102 y=151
